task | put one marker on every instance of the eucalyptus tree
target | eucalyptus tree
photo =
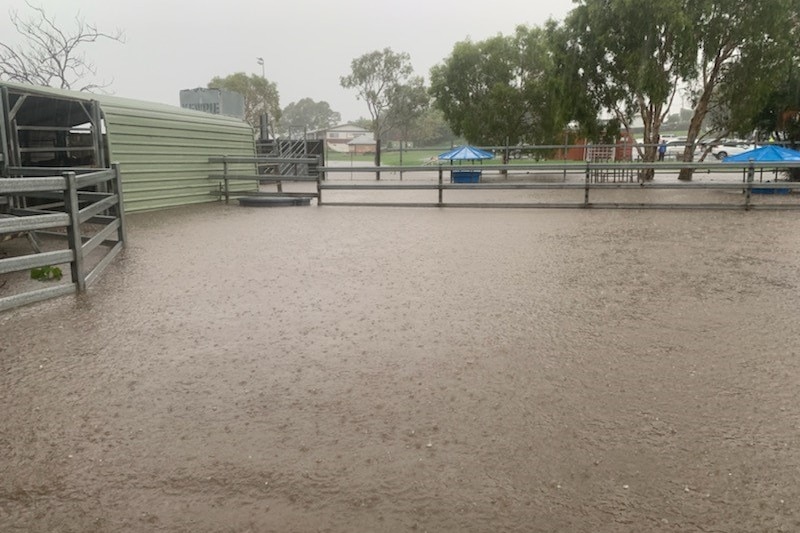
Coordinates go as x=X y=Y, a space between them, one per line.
x=308 y=115
x=632 y=60
x=407 y=104
x=775 y=109
x=497 y=91
x=260 y=95
x=376 y=76
x=779 y=117
x=431 y=129
x=744 y=49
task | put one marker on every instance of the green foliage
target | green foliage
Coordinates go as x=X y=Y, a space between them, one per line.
x=498 y=91
x=746 y=51
x=627 y=59
x=407 y=103
x=431 y=129
x=260 y=95
x=308 y=115
x=46 y=273
x=376 y=77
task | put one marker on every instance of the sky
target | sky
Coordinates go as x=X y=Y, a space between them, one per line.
x=307 y=45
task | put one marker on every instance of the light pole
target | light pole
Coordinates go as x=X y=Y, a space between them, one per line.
x=260 y=61
x=263 y=118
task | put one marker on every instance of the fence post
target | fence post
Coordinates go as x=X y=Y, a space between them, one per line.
x=401 y=160
x=440 y=186
x=586 y=188
x=751 y=171
x=122 y=233
x=320 y=177
x=225 y=177
x=74 y=229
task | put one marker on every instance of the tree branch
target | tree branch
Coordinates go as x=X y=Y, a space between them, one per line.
x=50 y=55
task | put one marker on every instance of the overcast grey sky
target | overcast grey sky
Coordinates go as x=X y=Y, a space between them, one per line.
x=307 y=45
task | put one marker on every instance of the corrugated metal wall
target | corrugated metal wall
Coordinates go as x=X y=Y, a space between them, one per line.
x=163 y=152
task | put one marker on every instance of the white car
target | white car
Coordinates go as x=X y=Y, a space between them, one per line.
x=721 y=151
x=675 y=148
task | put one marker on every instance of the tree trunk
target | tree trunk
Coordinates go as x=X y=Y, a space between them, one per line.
x=650 y=154
x=651 y=117
x=701 y=110
x=698 y=117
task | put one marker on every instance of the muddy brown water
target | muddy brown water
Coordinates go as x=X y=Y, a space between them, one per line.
x=344 y=369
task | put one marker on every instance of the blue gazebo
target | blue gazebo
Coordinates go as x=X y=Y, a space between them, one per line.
x=461 y=154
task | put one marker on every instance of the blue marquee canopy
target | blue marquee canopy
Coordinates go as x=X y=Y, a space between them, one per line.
x=768 y=153
x=465 y=153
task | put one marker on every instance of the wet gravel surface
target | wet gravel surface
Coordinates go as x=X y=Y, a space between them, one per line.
x=342 y=369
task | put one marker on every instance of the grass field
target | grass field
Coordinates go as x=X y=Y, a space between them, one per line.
x=415 y=157
x=390 y=157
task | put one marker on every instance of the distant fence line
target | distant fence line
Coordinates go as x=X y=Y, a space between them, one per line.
x=589 y=184
x=625 y=145
x=324 y=178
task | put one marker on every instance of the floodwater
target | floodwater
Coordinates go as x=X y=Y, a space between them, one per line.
x=337 y=369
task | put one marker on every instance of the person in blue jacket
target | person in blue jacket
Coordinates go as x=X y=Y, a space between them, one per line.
x=662 y=149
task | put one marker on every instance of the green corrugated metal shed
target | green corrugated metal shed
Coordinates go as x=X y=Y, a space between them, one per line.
x=162 y=150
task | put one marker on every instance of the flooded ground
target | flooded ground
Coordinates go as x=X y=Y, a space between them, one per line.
x=336 y=369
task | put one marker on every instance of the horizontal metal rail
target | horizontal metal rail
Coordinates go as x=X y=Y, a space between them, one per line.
x=565 y=205
x=578 y=166
x=94 y=274
x=262 y=177
x=39 y=295
x=87 y=213
x=20 y=185
x=101 y=237
x=32 y=223
x=278 y=194
x=16 y=264
x=93 y=178
x=567 y=186
x=263 y=159
x=47 y=171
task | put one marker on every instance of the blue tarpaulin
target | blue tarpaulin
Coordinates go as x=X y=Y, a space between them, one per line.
x=768 y=153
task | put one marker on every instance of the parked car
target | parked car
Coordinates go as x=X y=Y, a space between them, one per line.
x=702 y=149
x=675 y=148
x=721 y=151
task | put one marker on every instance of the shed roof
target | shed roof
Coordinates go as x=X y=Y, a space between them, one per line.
x=367 y=139
x=347 y=127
